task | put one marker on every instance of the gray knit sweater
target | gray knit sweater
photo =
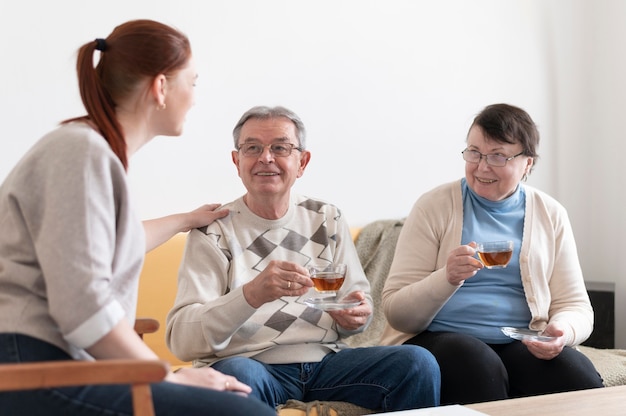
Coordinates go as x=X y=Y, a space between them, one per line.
x=71 y=248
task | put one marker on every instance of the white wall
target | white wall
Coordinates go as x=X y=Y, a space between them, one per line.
x=589 y=100
x=387 y=89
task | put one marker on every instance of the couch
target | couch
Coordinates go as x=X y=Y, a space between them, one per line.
x=375 y=244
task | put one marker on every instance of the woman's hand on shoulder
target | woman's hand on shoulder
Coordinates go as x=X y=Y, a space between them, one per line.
x=462 y=264
x=202 y=216
x=159 y=230
x=210 y=378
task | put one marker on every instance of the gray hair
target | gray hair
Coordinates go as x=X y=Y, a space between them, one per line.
x=264 y=113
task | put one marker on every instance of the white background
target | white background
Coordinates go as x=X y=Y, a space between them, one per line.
x=386 y=88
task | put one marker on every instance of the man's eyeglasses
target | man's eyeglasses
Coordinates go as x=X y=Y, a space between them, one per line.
x=277 y=149
x=474 y=156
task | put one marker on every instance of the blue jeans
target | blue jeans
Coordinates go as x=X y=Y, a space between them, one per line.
x=169 y=398
x=386 y=378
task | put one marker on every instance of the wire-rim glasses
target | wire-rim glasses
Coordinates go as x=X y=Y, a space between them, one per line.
x=474 y=156
x=277 y=149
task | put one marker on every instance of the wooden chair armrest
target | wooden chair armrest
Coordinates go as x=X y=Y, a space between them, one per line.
x=146 y=326
x=45 y=374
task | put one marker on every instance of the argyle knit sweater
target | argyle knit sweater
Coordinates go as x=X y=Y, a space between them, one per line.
x=211 y=318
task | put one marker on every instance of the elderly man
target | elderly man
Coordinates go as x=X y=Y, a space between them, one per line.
x=243 y=287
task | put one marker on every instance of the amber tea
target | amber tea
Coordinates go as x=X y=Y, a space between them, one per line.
x=495 y=254
x=328 y=281
x=328 y=278
x=495 y=259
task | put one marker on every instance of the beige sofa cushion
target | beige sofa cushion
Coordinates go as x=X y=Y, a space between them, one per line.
x=610 y=363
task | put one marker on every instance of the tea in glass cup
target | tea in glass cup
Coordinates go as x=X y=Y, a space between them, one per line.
x=327 y=278
x=495 y=254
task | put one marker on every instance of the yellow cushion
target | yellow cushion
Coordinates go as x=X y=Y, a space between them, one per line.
x=157 y=291
x=354 y=231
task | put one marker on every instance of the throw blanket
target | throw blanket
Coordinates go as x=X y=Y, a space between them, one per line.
x=376 y=244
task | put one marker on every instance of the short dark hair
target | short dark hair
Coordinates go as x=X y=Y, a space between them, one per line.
x=506 y=123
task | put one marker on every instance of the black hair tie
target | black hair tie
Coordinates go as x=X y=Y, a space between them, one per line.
x=101 y=44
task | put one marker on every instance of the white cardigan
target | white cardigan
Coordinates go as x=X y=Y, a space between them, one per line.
x=417 y=287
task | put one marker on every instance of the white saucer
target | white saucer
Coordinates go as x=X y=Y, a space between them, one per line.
x=331 y=303
x=522 y=333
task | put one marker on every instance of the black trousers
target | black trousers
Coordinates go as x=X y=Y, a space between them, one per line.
x=473 y=371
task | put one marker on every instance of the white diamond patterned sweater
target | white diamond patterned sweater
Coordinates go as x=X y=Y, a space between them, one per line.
x=211 y=318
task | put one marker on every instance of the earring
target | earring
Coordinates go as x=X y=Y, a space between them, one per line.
x=161 y=107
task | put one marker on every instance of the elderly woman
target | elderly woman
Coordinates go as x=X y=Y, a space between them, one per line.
x=440 y=296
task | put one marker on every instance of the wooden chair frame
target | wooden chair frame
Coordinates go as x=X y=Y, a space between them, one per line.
x=136 y=373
